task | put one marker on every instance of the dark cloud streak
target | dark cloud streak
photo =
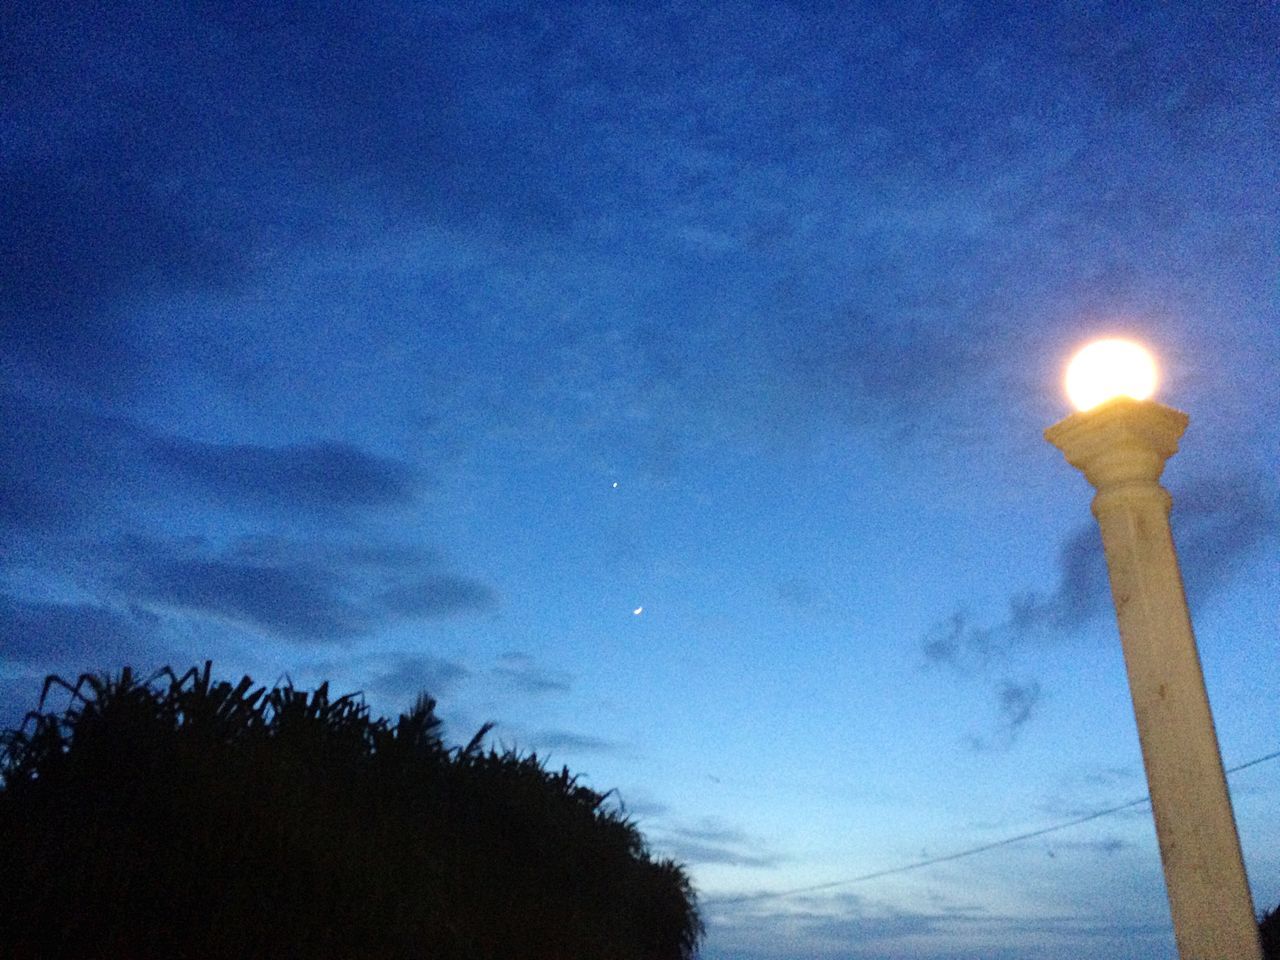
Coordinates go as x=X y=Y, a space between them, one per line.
x=39 y=633
x=299 y=591
x=297 y=476
x=404 y=676
x=1218 y=525
x=713 y=842
x=546 y=741
x=437 y=595
x=64 y=464
x=525 y=675
x=302 y=603
x=1016 y=703
x=74 y=480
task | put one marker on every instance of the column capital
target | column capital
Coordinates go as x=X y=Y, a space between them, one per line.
x=1120 y=442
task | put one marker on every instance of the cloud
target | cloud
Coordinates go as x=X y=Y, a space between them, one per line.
x=234 y=142
x=437 y=595
x=38 y=638
x=804 y=597
x=62 y=464
x=955 y=643
x=297 y=590
x=77 y=634
x=1081 y=595
x=1015 y=705
x=549 y=741
x=241 y=144
x=872 y=929
x=1086 y=791
x=1108 y=846
x=1219 y=524
x=72 y=479
x=1017 y=702
x=881 y=367
x=314 y=476
x=298 y=603
x=644 y=807
x=522 y=671
x=796 y=592
x=402 y=677
x=711 y=841
x=18 y=696
x=570 y=742
x=825 y=925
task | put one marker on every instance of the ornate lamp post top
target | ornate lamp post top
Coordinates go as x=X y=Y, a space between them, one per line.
x=1119 y=441
x=1119 y=436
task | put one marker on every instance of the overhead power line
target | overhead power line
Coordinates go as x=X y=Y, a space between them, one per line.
x=946 y=858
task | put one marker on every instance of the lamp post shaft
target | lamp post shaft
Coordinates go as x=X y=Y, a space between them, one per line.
x=1122 y=448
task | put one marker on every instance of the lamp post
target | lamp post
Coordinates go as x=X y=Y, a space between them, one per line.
x=1121 y=440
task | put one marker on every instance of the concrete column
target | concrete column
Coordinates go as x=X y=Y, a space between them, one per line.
x=1122 y=447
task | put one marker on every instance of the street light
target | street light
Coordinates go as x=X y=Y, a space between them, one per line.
x=1121 y=439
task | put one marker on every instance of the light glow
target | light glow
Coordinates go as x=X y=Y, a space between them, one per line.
x=1106 y=369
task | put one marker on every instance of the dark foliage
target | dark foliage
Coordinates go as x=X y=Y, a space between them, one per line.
x=1269 y=931
x=176 y=817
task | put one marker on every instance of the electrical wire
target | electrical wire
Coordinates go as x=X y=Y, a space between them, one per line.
x=947 y=858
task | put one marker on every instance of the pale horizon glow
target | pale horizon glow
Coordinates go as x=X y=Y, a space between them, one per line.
x=1110 y=368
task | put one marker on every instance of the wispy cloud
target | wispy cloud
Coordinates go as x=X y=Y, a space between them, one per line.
x=298 y=603
x=643 y=808
x=38 y=638
x=437 y=595
x=551 y=742
x=295 y=590
x=524 y=673
x=712 y=841
x=67 y=464
x=402 y=677
x=1218 y=523
x=72 y=479
x=567 y=741
x=826 y=925
x=1106 y=846
x=79 y=634
x=1015 y=704
x=965 y=647
x=312 y=476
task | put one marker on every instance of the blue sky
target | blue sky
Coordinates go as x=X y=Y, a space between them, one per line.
x=420 y=345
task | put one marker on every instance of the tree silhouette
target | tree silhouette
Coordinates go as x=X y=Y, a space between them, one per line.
x=1269 y=932
x=177 y=817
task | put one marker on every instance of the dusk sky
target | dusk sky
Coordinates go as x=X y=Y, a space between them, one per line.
x=666 y=383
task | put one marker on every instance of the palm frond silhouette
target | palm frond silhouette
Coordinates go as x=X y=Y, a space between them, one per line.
x=180 y=817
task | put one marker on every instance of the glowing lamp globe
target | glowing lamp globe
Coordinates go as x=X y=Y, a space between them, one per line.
x=1107 y=369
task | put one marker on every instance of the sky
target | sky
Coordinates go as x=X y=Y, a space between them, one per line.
x=665 y=383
